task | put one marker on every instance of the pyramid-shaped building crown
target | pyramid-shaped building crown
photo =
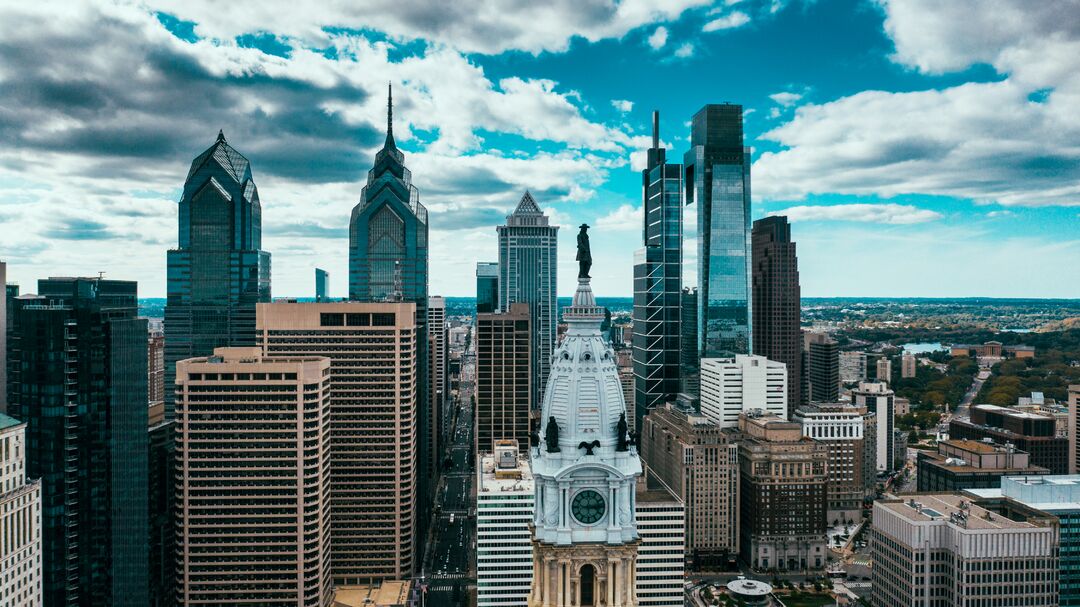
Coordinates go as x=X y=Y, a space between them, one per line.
x=527 y=213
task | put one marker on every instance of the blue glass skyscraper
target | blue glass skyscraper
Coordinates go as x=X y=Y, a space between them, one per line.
x=658 y=283
x=218 y=272
x=717 y=180
x=388 y=261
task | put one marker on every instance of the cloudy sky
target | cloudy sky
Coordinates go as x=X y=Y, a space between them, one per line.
x=920 y=147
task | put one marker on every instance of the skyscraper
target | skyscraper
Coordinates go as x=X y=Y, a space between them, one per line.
x=777 y=310
x=503 y=377
x=322 y=285
x=437 y=385
x=253 y=479
x=487 y=287
x=823 y=372
x=218 y=272
x=374 y=426
x=689 y=359
x=388 y=261
x=876 y=397
x=528 y=267
x=504 y=509
x=20 y=519
x=717 y=180
x=840 y=427
x=658 y=283
x=908 y=365
x=80 y=383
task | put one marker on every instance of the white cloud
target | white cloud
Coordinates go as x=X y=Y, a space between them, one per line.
x=1000 y=214
x=786 y=98
x=625 y=218
x=1010 y=141
x=889 y=213
x=622 y=105
x=685 y=50
x=732 y=20
x=481 y=26
x=658 y=38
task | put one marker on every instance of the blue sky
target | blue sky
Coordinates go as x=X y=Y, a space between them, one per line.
x=919 y=148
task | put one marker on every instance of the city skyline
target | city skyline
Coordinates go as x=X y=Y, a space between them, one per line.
x=850 y=157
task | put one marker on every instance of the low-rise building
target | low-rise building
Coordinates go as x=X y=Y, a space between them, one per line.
x=992 y=349
x=1036 y=434
x=942 y=550
x=20 y=520
x=967 y=464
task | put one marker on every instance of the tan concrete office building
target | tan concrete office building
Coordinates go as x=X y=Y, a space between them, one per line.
x=20 y=519
x=840 y=427
x=373 y=426
x=504 y=377
x=941 y=550
x=253 y=479
x=695 y=458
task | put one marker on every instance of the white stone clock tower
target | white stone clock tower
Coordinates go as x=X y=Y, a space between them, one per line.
x=585 y=538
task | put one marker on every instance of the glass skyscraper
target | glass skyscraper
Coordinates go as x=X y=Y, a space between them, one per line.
x=487 y=287
x=218 y=272
x=388 y=262
x=658 y=283
x=717 y=180
x=528 y=265
x=79 y=381
x=776 y=296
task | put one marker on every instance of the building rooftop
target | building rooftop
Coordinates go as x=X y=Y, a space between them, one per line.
x=1011 y=412
x=387 y=594
x=493 y=479
x=950 y=508
x=6 y=421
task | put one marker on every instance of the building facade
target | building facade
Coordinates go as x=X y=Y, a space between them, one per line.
x=155 y=369
x=438 y=387
x=967 y=464
x=20 y=519
x=777 y=302
x=528 y=273
x=941 y=550
x=661 y=567
x=253 y=479
x=503 y=377
x=908 y=365
x=658 y=282
x=884 y=369
x=840 y=428
x=585 y=538
x=852 y=367
x=80 y=383
x=783 y=495
x=689 y=361
x=877 y=398
x=700 y=463
x=823 y=372
x=487 y=287
x=3 y=336
x=1072 y=428
x=374 y=426
x=717 y=180
x=1036 y=434
x=504 y=509
x=731 y=386
x=218 y=271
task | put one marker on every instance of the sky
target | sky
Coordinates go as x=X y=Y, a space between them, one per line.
x=920 y=148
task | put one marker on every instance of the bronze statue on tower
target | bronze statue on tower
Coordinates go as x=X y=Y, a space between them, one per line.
x=584 y=254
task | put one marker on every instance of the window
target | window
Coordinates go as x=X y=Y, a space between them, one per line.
x=332 y=319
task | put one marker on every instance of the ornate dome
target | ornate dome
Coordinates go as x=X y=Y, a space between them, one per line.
x=583 y=391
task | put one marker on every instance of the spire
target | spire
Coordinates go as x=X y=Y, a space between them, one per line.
x=390 y=116
x=220 y=135
x=656 y=129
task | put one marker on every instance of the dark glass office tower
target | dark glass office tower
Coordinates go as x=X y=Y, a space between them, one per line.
x=219 y=271
x=528 y=273
x=80 y=382
x=322 y=285
x=658 y=283
x=689 y=360
x=717 y=180
x=388 y=262
x=487 y=287
x=823 y=373
x=776 y=297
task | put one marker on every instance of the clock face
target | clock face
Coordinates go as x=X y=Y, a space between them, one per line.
x=588 y=507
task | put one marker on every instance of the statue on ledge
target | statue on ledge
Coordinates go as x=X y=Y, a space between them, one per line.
x=620 y=434
x=584 y=253
x=551 y=435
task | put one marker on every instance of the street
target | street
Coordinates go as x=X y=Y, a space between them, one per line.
x=449 y=567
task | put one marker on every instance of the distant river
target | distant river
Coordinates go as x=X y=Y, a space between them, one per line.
x=923 y=347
